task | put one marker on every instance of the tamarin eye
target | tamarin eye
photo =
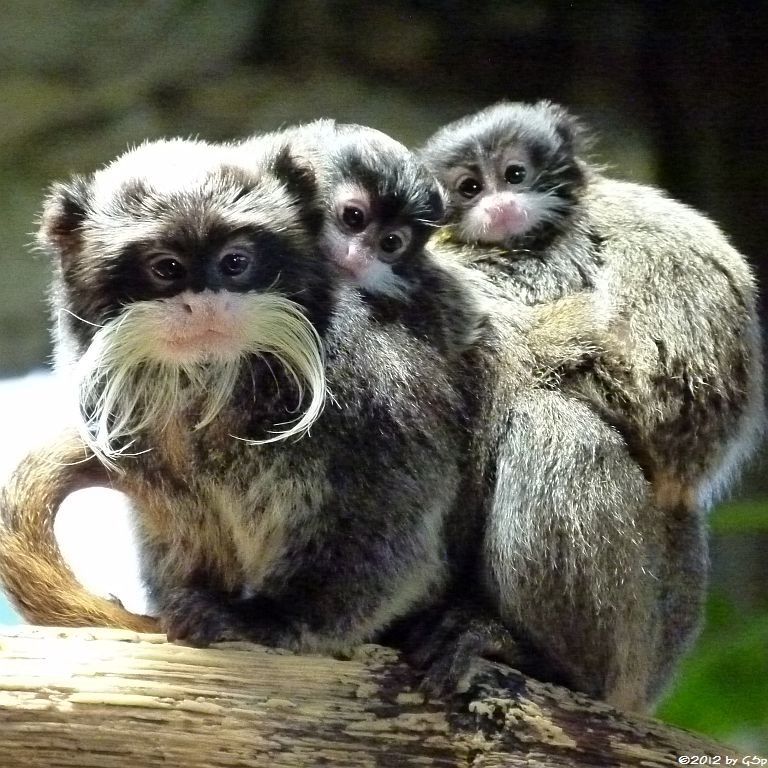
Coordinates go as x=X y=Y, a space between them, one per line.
x=167 y=269
x=469 y=187
x=354 y=218
x=234 y=263
x=391 y=243
x=515 y=174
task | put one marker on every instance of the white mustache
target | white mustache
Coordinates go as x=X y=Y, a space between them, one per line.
x=126 y=383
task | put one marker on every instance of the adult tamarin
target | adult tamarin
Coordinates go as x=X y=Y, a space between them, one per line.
x=678 y=395
x=202 y=328
x=598 y=564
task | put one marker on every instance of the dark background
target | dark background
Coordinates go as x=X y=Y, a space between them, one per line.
x=676 y=91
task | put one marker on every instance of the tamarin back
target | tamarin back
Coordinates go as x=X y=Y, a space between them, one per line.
x=609 y=469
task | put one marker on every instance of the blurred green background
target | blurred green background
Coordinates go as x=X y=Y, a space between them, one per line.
x=675 y=90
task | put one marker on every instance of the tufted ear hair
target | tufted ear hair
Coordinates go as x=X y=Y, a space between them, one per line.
x=64 y=213
x=297 y=173
x=568 y=127
x=300 y=178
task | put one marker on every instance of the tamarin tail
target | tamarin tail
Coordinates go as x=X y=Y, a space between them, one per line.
x=33 y=571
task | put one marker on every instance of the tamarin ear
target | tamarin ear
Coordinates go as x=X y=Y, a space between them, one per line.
x=299 y=176
x=296 y=173
x=438 y=204
x=568 y=128
x=64 y=212
x=572 y=133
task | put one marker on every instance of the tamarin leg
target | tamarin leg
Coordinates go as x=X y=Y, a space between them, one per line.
x=572 y=548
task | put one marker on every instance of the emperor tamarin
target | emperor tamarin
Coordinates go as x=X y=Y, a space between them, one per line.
x=673 y=402
x=202 y=329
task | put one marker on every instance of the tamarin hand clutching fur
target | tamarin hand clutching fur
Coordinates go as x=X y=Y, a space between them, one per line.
x=202 y=329
x=595 y=542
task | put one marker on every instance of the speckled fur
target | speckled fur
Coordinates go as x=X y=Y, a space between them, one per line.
x=313 y=544
x=513 y=360
x=302 y=524
x=572 y=551
x=683 y=305
x=595 y=535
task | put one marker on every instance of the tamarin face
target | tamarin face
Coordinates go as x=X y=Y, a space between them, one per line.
x=376 y=204
x=509 y=171
x=380 y=208
x=175 y=266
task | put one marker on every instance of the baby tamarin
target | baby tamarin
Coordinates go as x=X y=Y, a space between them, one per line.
x=199 y=321
x=678 y=395
x=372 y=240
x=532 y=213
x=363 y=175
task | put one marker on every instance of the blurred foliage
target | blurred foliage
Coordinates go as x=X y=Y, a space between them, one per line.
x=80 y=81
x=674 y=90
x=722 y=687
x=745 y=517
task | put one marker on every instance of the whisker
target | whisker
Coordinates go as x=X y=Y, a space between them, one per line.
x=128 y=392
x=77 y=317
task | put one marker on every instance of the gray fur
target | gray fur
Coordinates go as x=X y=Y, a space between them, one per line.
x=379 y=178
x=595 y=537
x=314 y=544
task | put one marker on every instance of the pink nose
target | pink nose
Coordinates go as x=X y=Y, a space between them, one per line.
x=353 y=258
x=205 y=305
x=505 y=213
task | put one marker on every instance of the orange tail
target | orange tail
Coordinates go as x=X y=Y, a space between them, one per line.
x=32 y=570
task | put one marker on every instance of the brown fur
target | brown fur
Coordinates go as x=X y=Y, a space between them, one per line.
x=36 y=577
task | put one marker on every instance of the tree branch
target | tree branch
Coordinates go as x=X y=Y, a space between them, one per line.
x=101 y=698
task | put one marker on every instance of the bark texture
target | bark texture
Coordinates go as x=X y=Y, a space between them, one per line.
x=112 y=699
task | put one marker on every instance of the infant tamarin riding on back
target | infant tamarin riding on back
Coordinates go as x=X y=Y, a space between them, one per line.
x=531 y=212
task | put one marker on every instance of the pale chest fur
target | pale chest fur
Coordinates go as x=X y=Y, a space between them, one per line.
x=274 y=511
x=231 y=520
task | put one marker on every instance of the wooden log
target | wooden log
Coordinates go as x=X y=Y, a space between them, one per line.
x=99 y=698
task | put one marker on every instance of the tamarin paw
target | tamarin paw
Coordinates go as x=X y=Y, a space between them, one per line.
x=198 y=617
x=450 y=669
x=443 y=642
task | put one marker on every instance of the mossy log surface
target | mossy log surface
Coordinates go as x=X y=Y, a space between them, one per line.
x=111 y=699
